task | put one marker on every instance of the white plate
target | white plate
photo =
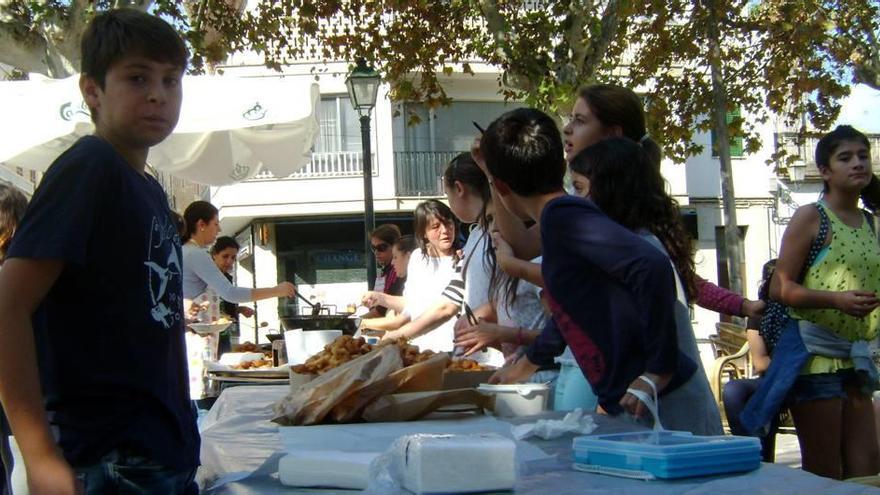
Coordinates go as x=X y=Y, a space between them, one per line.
x=203 y=328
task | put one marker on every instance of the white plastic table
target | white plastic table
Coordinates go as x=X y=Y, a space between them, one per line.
x=239 y=441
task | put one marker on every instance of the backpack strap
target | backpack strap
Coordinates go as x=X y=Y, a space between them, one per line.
x=819 y=242
x=870 y=219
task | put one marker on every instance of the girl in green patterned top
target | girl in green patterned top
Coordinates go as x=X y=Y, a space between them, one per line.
x=833 y=416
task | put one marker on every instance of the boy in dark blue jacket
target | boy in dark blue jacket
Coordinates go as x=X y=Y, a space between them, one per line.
x=99 y=399
x=611 y=293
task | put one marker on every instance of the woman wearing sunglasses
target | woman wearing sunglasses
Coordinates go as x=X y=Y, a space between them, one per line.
x=382 y=239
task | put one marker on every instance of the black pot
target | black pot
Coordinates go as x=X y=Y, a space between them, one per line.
x=321 y=322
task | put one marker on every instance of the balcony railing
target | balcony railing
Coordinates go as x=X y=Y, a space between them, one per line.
x=805 y=149
x=329 y=165
x=418 y=173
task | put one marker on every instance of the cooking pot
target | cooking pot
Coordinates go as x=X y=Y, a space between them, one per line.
x=322 y=322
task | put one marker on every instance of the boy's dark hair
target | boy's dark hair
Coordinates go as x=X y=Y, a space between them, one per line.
x=222 y=243
x=118 y=33
x=828 y=145
x=523 y=148
x=13 y=203
x=197 y=210
x=387 y=233
x=406 y=244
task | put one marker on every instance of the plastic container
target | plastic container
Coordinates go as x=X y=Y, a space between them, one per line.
x=665 y=454
x=518 y=399
x=572 y=388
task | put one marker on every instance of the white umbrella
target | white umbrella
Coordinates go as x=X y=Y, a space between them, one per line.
x=230 y=128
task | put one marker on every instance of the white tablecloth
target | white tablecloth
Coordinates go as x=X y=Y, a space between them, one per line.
x=241 y=448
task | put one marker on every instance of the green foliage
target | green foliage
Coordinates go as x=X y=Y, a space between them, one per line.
x=788 y=58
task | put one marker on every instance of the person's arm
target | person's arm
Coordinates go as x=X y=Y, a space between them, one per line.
x=386 y=322
x=785 y=288
x=204 y=267
x=427 y=321
x=372 y=299
x=758 y=351
x=488 y=334
x=23 y=285
x=513 y=266
x=548 y=344
x=720 y=300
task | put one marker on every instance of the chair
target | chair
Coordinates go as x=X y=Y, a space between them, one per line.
x=728 y=364
x=733 y=359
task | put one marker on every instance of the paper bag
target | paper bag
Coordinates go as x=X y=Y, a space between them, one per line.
x=427 y=375
x=415 y=405
x=310 y=403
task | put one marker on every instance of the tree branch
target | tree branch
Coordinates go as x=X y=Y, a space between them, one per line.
x=599 y=45
x=498 y=26
x=575 y=34
x=22 y=49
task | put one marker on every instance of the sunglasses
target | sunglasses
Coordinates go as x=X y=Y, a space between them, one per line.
x=380 y=248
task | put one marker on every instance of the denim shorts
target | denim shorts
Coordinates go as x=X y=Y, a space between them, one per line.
x=122 y=471
x=822 y=386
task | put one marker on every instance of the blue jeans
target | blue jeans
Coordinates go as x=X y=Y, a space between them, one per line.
x=123 y=472
x=734 y=395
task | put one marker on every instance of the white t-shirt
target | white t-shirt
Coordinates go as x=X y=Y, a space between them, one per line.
x=426 y=277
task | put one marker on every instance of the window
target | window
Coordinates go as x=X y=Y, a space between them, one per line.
x=340 y=127
x=450 y=128
x=736 y=143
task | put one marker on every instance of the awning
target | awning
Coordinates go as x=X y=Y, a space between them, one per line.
x=230 y=128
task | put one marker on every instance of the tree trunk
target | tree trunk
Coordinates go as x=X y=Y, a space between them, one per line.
x=722 y=141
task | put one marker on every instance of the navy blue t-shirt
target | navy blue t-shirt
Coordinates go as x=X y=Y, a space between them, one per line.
x=109 y=334
x=612 y=296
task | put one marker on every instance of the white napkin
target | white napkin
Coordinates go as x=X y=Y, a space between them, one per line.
x=573 y=422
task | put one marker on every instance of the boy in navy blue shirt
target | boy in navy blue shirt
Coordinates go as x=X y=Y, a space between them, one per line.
x=611 y=293
x=92 y=361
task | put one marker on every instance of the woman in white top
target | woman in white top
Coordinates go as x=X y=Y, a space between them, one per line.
x=467 y=191
x=200 y=273
x=430 y=268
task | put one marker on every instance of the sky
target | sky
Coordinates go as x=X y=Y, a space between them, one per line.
x=862 y=109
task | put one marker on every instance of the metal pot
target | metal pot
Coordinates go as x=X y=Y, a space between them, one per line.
x=321 y=322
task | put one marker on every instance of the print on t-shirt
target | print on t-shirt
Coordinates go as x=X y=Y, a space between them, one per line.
x=163 y=267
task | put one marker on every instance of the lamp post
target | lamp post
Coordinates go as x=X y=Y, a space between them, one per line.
x=363 y=85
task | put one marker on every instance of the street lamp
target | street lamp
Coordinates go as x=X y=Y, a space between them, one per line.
x=363 y=85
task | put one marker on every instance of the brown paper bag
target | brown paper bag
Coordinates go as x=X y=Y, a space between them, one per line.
x=427 y=375
x=415 y=405
x=311 y=402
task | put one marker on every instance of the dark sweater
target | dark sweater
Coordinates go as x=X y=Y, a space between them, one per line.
x=612 y=296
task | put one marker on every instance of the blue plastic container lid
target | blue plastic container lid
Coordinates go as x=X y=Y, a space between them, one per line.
x=664 y=444
x=665 y=454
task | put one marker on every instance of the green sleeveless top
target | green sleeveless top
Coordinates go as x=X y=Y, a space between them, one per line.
x=850 y=262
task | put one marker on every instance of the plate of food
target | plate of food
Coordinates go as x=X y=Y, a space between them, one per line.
x=209 y=328
x=260 y=367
